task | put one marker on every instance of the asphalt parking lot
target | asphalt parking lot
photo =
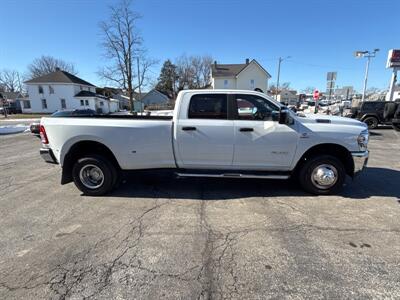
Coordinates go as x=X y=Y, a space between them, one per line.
x=158 y=237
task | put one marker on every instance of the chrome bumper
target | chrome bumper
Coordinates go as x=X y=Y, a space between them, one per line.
x=360 y=161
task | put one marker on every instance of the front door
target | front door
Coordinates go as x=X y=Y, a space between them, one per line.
x=261 y=143
x=204 y=136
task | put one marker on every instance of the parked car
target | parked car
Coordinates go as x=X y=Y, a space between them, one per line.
x=226 y=133
x=35 y=126
x=373 y=114
x=74 y=112
x=391 y=113
x=345 y=103
x=11 y=109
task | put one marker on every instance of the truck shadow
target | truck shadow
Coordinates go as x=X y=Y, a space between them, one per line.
x=372 y=182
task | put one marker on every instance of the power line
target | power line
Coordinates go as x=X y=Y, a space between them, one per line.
x=325 y=66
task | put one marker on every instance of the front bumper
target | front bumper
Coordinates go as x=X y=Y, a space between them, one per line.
x=48 y=155
x=360 y=161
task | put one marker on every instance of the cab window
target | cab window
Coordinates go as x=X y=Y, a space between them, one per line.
x=252 y=107
x=208 y=106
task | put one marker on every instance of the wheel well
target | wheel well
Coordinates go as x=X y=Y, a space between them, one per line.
x=81 y=149
x=335 y=150
x=370 y=115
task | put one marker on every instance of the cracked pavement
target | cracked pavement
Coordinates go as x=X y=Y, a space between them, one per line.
x=158 y=237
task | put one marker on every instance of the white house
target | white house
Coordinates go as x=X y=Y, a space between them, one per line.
x=61 y=90
x=248 y=76
x=288 y=97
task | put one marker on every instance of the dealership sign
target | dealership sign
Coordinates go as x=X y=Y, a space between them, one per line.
x=393 y=58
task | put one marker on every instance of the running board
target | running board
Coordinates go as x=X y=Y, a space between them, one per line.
x=233 y=175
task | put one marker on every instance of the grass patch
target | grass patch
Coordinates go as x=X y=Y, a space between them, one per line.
x=24 y=116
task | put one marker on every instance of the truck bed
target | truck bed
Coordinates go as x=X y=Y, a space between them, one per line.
x=138 y=142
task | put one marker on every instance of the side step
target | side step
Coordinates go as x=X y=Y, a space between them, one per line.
x=234 y=175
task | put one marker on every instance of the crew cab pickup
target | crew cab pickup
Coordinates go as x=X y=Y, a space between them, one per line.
x=212 y=133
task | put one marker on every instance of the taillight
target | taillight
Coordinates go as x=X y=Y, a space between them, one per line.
x=43 y=135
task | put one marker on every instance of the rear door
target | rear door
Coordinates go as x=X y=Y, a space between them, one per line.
x=261 y=143
x=204 y=135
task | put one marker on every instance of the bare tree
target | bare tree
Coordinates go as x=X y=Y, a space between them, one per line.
x=145 y=66
x=185 y=72
x=123 y=46
x=309 y=90
x=206 y=70
x=11 y=80
x=194 y=71
x=201 y=66
x=283 y=86
x=47 y=64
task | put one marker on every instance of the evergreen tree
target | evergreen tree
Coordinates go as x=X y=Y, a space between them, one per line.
x=167 y=79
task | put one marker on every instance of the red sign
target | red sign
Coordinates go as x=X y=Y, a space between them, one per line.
x=316 y=95
x=393 y=58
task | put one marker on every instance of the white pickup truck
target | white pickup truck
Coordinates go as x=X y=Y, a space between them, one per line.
x=212 y=133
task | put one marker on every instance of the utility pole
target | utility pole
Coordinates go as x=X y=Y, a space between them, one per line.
x=368 y=55
x=277 y=80
x=140 y=91
x=280 y=60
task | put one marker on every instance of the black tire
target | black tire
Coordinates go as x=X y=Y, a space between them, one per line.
x=310 y=167
x=389 y=109
x=372 y=122
x=396 y=126
x=108 y=175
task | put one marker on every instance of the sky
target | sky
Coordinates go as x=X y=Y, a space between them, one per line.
x=319 y=35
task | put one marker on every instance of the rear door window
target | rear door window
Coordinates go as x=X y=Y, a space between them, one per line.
x=208 y=106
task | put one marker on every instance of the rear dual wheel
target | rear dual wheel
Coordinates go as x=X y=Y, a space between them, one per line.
x=94 y=175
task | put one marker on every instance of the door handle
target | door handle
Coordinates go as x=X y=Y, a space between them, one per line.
x=188 y=128
x=246 y=129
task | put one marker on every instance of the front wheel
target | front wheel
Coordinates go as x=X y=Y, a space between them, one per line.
x=322 y=175
x=94 y=175
x=396 y=126
x=371 y=122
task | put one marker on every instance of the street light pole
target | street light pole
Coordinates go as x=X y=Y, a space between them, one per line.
x=280 y=60
x=366 y=78
x=368 y=55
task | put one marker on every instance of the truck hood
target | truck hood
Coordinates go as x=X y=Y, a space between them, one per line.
x=319 y=129
x=333 y=120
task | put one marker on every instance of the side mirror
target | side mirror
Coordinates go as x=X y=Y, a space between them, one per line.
x=283 y=116
x=275 y=115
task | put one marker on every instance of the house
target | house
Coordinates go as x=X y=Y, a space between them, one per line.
x=288 y=97
x=11 y=100
x=155 y=98
x=248 y=76
x=114 y=94
x=61 y=90
x=122 y=97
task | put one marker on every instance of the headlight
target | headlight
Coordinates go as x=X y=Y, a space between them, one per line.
x=363 y=139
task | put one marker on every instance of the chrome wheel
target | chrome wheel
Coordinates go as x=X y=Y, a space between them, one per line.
x=324 y=176
x=91 y=176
